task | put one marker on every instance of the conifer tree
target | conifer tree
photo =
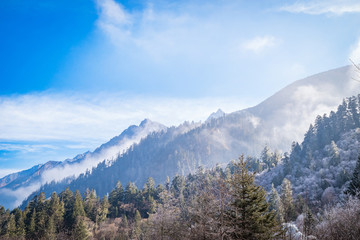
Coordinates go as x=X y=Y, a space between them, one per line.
x=124 y=228
x=287 y=200
x=11 y=227
x=56 y=211
x=354 y=186
x=137 y=225
x=78 y=209
x=90 y=203
x=80 y=230
x=20 y=225
x=41 y=215
x=266 y=157
x=276 y=204
x=115 y=199
x=334 y=154
x=104 y=209
x=68 y=198
x=31 y=227
x=309 y=222
x=78 y=205
x=249 y=213
x=50 y=233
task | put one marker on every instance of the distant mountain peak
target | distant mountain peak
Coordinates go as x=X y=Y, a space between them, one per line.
x=145 y=121
x=218 y=114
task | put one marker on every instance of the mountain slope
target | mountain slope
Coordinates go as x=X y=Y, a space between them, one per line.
x=17 y=186
x=276 y=122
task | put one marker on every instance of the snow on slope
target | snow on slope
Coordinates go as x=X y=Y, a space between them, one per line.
x=276 y=122
x=285 y=116
x=17 y=186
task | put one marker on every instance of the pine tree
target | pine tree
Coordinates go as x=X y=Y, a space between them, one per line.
x=137 y=225
x=11 y=226
x=41 y=215
x=104 y=209
x=56 y=211
x=354 y=186
x=266 y=157
x=80 y=231
x=31 y=227
x=20 y=225
x=50 y=233
x=90 y=205
x=68 y=198
x=78 y=209
x=124 y=228
x=276 y=204
x=115 y=199
x=287 y=200
x=309 y=222
x=334 y=154
x=249 y=213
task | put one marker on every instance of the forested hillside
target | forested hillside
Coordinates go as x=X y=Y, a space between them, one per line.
x=322 y=165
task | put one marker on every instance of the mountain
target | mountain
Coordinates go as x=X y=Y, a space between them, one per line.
x=15 y=187
x=275 y=122
x=321 y=167
x=218 y=114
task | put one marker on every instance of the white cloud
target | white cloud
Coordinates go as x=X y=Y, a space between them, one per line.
x=7 y=171
x=259 y=44
x=355 y=52
x=93 y=119
x=334 y=7
x=19 y=194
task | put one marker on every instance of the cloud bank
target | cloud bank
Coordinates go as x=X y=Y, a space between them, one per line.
x=47 y=126
x=333 y=7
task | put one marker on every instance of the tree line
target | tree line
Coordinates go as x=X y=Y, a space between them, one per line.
x=210 y=204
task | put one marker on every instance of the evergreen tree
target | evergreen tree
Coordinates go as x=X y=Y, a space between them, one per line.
x=78 y=209
x=80 y=230
x=276 y=204
x=249 y=213
x=309 y=222
x=56 y=212
x=104 y=209
x=287 y=200
x=41 y=216
x=50 y=233
x=115 y=200
x=11 y=227
x=267 y=157
x=334 y=154
x=68 y=198
x=20 y=225
x=167 y=184
x=90 y=205
x=137 y=225
x=31 y=227
x=124 y=228
x=354 y=186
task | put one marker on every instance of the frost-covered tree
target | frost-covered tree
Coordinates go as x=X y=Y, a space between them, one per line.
x=354 y=186
x=276 y=204
x=266 y=157
x=287 y=200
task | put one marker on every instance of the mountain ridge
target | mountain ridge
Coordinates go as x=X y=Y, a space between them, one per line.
x=275 y=122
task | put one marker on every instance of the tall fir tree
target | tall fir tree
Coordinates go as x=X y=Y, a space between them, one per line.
x=249 y=213
x=80 y=230
x=287 y=200
x=137 y=226
x=354 y=186
x=276 y=204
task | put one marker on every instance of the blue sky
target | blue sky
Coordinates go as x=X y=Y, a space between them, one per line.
x=76 y=73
